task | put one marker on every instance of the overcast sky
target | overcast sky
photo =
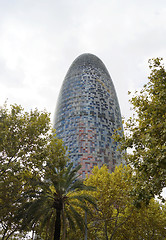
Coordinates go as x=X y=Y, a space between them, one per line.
x=39 y=39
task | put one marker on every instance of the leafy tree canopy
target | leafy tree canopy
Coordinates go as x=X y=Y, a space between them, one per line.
x=39 y=188
x=146 y=133
x=54 y=206
x=26 y=144
x=116 y=217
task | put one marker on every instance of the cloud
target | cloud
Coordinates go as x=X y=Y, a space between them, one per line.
x=40 y=39
x=10 y=77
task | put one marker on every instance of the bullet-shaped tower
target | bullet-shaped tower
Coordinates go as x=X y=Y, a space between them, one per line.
x=87 y=114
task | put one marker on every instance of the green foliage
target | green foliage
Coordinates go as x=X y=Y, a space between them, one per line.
x=112 y=200
x=115 y=216
x=146 y=133
x=23 y=148
x=146 y=223
x=37 y=190
x=57 y=201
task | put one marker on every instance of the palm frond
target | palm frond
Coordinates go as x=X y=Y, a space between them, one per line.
x=61 y=188
x=85 y=197
x=78 y=218
x=82 y=206
x=70 y=220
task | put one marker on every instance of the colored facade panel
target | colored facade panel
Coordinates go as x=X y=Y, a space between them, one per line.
x=87 y=114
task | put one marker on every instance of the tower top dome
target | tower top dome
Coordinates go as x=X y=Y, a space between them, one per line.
x=88 y=59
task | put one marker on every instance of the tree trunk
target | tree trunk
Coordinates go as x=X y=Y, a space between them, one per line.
x=64 y=224
x=57 y=231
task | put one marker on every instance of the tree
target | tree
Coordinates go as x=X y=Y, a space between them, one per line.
x=147 y=133
x=113 y=200
x=147 y=222
x=34 y=180
x=116 y=217
x=23 y=136
x=56 y=202
x=24 y=139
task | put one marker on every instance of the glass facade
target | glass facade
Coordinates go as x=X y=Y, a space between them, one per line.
x=87 y=113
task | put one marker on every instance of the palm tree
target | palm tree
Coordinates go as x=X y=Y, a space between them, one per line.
x=57 y=201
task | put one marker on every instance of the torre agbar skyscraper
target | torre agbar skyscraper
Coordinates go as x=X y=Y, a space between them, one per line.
x=87 y=114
